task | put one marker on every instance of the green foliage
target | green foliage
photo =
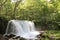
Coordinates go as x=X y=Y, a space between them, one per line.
x=46 y=14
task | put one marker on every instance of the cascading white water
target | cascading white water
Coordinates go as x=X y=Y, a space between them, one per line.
x=25 y=29
x=14 y=28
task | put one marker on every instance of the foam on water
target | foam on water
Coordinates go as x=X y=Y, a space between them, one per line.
x=25 y=29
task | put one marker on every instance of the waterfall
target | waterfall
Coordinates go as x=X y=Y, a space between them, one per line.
x=22 y=28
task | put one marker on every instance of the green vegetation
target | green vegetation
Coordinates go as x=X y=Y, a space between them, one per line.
x=52 y=35
x=45 y=14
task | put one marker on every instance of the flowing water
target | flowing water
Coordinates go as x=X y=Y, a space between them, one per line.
x=25 y=29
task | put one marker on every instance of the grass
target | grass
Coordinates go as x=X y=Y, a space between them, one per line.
x=52 y=33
